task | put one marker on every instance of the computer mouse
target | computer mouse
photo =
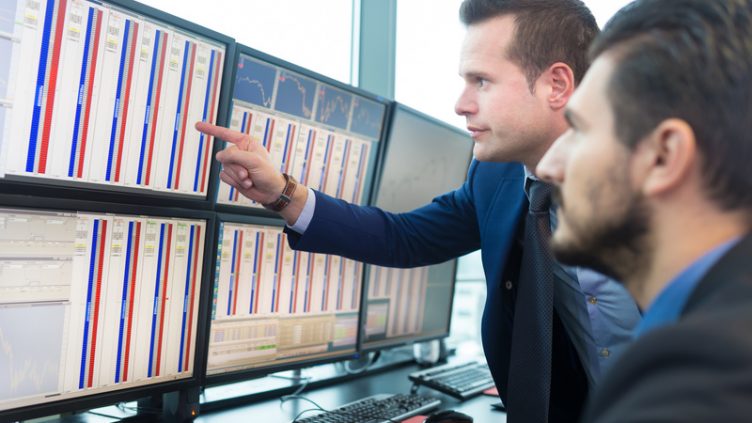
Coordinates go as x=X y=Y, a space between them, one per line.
x=448 y=416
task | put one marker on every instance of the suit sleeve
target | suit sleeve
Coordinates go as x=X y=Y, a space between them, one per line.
x=444 y=229
x=699 y=373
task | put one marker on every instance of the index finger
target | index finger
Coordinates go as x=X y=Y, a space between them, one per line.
x=238 y=138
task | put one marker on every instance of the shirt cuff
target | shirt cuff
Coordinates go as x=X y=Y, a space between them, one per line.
x=306 y=215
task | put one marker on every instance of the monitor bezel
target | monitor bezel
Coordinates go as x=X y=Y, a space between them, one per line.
x=242 y=49
x=130 y=393
x=259 y=372
x=89 y=191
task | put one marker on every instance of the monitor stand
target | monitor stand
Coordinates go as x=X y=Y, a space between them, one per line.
x=177 y=406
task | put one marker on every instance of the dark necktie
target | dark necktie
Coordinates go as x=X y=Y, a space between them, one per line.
x=529 y=386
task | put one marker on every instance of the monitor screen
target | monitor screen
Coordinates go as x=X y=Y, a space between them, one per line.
x=95 y=94
x=94 y=303
x=275 y=308
x=424 y=158
x=322 y=133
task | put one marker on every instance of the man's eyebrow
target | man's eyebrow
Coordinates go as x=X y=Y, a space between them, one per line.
x=472 y=73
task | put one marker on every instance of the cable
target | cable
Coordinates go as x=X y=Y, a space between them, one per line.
x=350 y=371
x=371 y=361
x=96 y=413
x=293 y=378
x=123 y=407
x=301 y=397
x=297 y=392
x=295 y=420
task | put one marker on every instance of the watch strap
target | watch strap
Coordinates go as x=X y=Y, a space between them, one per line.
x=286 y=197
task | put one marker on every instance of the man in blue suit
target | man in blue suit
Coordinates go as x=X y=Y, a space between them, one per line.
x=520 y=61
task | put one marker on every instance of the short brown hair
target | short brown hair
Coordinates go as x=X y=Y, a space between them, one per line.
x=548 y=31
x=692 y=60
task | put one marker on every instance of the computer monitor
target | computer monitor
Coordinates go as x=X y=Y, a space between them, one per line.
x=322 y=132
x=97 y=305
x=275 y=308
x=424 y=158
x=103 y=95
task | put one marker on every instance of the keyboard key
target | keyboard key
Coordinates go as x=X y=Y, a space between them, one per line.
x=461 y=381
x=377 y=408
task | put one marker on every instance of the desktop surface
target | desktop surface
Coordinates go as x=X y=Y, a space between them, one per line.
x=390 y=381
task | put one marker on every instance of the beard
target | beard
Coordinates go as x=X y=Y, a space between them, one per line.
x=615 y=245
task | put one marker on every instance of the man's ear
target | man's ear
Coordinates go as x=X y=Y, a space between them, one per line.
x=666 y=157
x=560 y=78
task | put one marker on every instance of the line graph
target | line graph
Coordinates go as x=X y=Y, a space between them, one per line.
x=25 y=280
x=295 y=95
x=254 y=82
x=367 y=117
x=333 y=107
x=30 y=363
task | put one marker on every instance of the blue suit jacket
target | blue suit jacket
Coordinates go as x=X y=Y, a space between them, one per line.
x=484 y=213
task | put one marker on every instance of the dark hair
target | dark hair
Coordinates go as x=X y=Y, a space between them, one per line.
x=692 y=60
x=547 y=31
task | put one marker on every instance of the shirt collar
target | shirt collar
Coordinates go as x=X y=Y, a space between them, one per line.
x=529 y=177
x=668 y=305
x=529 y=173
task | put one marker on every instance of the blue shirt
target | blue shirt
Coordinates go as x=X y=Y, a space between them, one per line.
x=668 y=305
x=600 y=312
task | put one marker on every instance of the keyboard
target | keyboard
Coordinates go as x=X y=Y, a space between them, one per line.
x=377 y=409
x=461 y=381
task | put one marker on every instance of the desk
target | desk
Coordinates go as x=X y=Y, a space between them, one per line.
x=390 y=381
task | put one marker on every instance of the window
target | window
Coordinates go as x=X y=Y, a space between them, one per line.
x=316 y=35
x=429 y=37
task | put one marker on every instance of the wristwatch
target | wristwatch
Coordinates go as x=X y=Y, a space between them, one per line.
x=284 y=199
